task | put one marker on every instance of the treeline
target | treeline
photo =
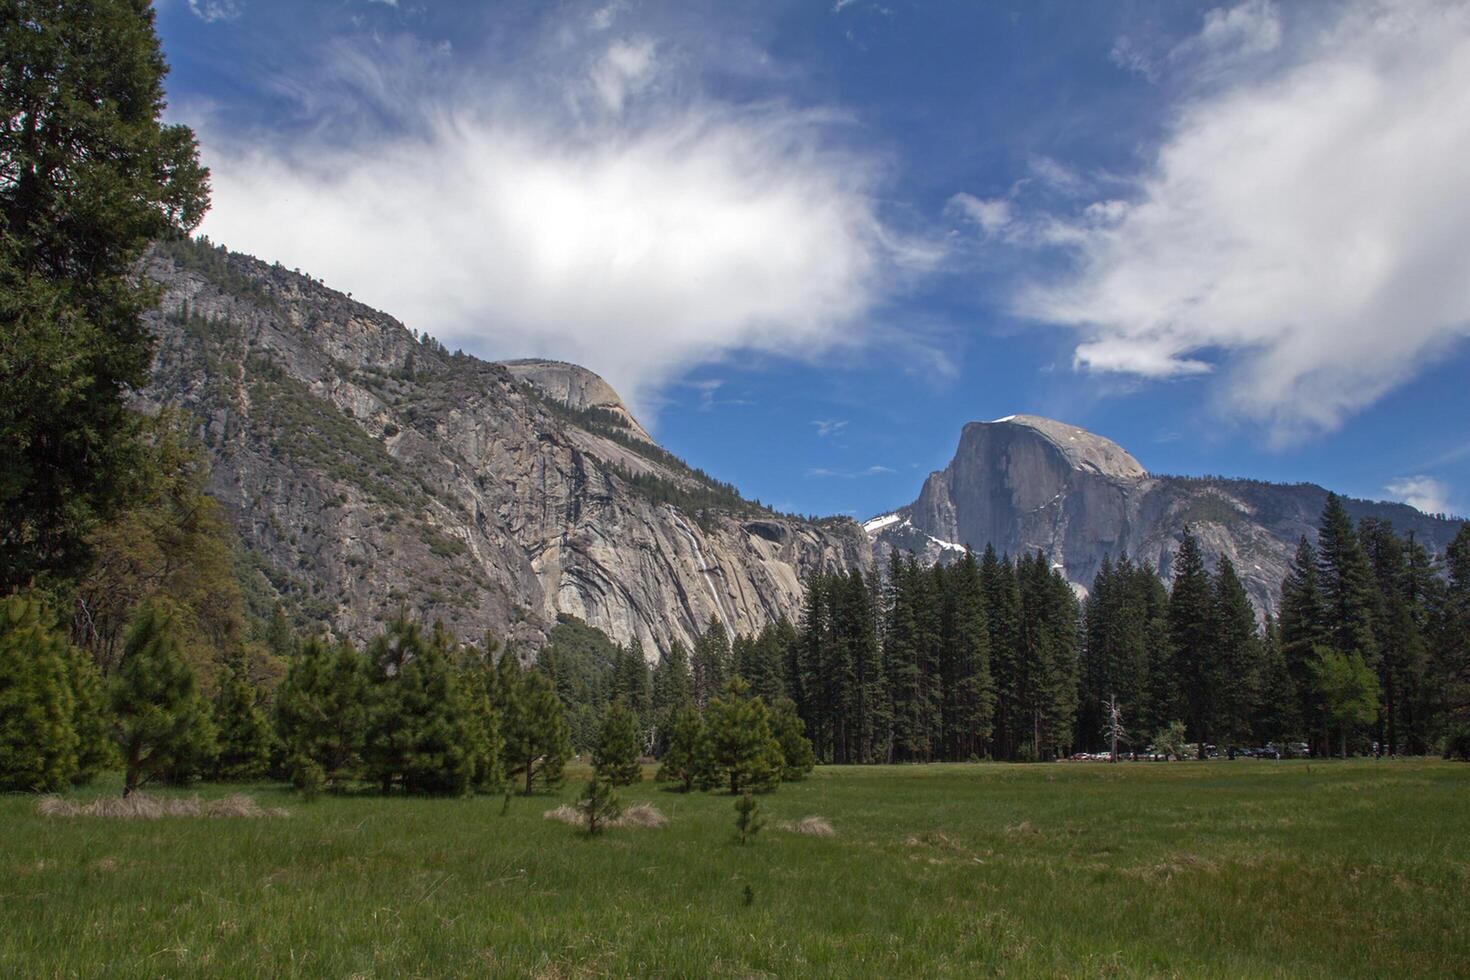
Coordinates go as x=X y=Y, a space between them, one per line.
x=996 y=658
x=416 y=711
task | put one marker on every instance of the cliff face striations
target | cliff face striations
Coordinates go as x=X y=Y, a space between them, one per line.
x=1024 y=483
x=366 y=470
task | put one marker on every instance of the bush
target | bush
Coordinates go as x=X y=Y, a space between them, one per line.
x=1457 y=745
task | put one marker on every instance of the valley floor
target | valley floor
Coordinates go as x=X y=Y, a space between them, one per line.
x=1221 y=869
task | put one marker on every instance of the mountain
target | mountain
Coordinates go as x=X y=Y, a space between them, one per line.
x=366 y=469
x=1025 y=483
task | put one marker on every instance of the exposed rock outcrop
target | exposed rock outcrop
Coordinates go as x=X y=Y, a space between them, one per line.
x=1025 y=483
x=366 y=470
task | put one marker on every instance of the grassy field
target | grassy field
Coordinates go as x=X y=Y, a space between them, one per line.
x=1217 y=869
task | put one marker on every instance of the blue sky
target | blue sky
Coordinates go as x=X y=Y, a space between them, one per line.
x=809 y=241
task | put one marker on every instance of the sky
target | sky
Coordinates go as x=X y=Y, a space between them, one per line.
x=809 y=241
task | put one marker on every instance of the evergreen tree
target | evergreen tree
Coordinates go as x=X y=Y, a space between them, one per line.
x=1348 y=588
x=244 y=733
x=439 y=753
x=864 y=702
x=477 y=680
x=91 y=178
x=1399 y=635
x=1236 y=659
x=681 y=760
x=1450 y=663
x=163 y=724
x=1278 y=717
x=1191 y=638
x=902 y=668
x=739 y=749
x=38 y=737
x=790 y=734
x=1003 y=608
x=322 y=713
x=748 y=819
x=537 y=741
x=91 y=716
x=969 y=692
x=598 y=804
x=673 y=684
x=1303 y=628
x=615 y=757
x=711 y=661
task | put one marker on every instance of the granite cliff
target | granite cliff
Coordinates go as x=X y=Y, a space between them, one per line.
x=1025 y=483
x=366 y=469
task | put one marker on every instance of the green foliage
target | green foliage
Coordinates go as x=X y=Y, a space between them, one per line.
x=1170 y=740
x=683 y=740
x=321 y=713
x=598 y=804
x=163 y=724
x=748 y=818
x=244 y=733
x=537 y=741
x=91 y=717
x=738 y=749
x=483 y=730
x=615 y=757
x=797 y=758
x=1348 y=688
x=419 y=729
x=91 y=177
x=38 y=737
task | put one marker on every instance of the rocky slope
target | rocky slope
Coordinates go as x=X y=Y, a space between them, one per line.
x=1025 y=483
x=365 y=470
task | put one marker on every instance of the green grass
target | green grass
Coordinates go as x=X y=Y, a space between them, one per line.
x=1240 y=869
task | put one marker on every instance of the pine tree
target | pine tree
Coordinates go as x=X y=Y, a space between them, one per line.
x=1303 y=627
x=1450 y=663
x=477 y=680
x=865 y=700
x=739 y=749
x=537 y=740
x=673 y=684
x=902 y=664
x=748 y=819
x=598 y=804
x=711 y=661
x=1236 y=658
x=38 y=737
x=322 y=713
x=92 y=177
x=1003 y=615
x=91 y=716
x=969 y=693
x=790 y=733
x=1191 y=637
x=439 y=755
x=615 y=757
x=1347 y=584
x=1278 y=717
x=244 y=733
x=163 y=724
x=683 y=742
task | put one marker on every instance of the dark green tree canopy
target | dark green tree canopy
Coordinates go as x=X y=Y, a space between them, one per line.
x=89 y=177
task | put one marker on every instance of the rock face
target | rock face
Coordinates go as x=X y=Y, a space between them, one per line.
x=366 y=471
x=1025 y=483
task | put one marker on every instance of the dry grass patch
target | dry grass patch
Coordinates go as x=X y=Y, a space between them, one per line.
x=140 y=807
x=637 y=815
x=810 y=827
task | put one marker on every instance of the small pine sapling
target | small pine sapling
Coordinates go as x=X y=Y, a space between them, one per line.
x=748 y=819
x=599 y=805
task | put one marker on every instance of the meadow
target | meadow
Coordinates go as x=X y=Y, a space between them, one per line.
x=1218 y=869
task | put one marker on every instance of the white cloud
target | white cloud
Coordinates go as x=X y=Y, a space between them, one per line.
x=1303 y=227
x=626 y=69
x=827 y=427
x=825 y=472
x=637 y=237
x=210 y=11
x=1423 y=493
x=992 y=215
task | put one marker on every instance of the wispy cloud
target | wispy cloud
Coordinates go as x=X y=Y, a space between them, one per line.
x=592 y=202
x=825 y=472
x=1301 y=228
x=828 y=427
x=1423 y=493
x=210 y=11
